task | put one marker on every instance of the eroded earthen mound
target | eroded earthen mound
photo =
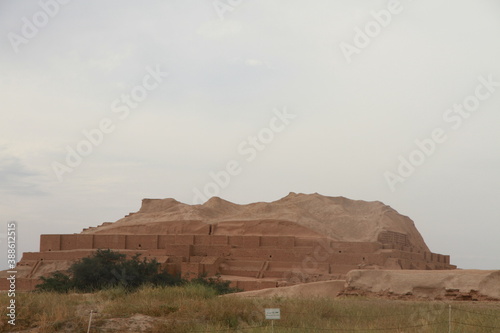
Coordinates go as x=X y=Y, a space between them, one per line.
x=299 y=238
x=455 y=284
x=338 y=218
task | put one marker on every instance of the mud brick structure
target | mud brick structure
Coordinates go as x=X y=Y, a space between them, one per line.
x=255 y=246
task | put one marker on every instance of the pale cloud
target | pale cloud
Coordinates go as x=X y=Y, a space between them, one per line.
x=16 y=178
x=217 y=29
x=256 y=63
x=225 y=78
x=110 y=61
x=253 y=62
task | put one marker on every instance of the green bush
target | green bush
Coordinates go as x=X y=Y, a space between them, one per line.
x=57 y=282
x=106 y=269
x=220 y=286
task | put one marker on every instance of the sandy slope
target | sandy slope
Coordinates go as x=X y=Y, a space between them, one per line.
x=312 y=289
x=296 y=214
x=449 y=284
x=430 y=284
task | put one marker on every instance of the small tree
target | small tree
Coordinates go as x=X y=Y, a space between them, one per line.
x=106 y=269
x=98 y=271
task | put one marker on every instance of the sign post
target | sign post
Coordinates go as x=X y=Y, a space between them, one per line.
x=272 y=314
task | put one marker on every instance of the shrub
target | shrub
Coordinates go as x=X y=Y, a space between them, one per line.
x=220 y=286
x=57 y=282
x=106 y=269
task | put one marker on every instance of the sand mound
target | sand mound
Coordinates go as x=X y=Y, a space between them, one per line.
x=427 y=284
x=339 y=218
x=313 y=289
x=449 y=284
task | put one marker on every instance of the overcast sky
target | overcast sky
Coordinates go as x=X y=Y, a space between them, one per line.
x=103 y=103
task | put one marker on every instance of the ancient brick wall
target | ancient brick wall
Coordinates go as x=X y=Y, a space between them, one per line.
x=257 y=257
x=391 y=237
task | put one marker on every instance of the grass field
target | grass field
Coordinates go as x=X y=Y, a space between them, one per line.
x=195 y=308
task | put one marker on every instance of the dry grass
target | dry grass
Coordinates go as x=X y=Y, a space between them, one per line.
x=196 y=308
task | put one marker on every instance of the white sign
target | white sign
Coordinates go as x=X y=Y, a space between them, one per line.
x=272 y=313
